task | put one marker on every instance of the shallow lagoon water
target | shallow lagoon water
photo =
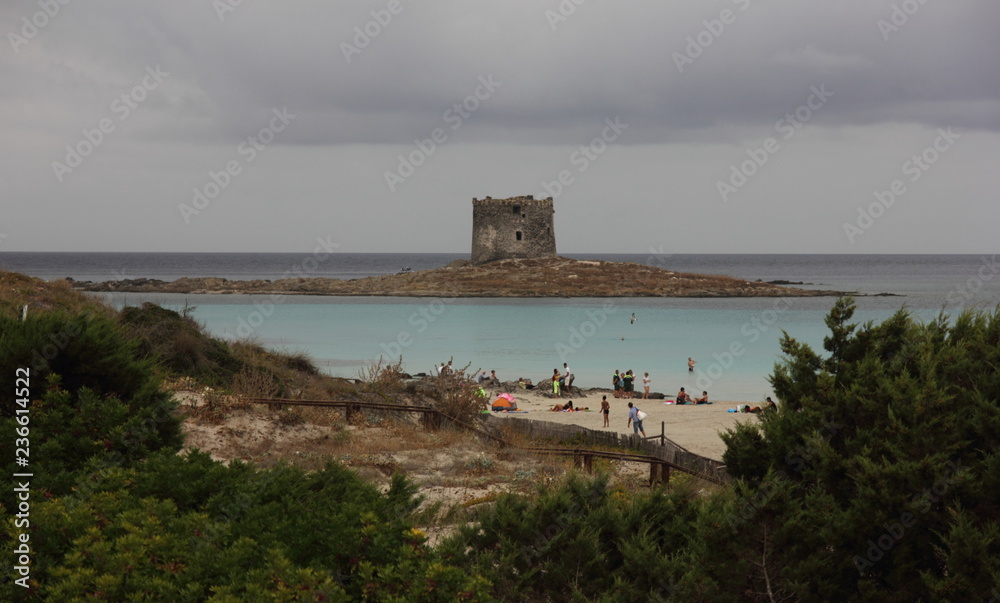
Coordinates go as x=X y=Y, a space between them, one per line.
x=735 y=341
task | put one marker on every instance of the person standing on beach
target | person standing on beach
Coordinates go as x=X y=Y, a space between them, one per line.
x=633 y=420
x=691 y=362
x=568 y=377
x=606 y=409
x=555 y=383
x=645 y=386
x=616 y=381
x=629 y=386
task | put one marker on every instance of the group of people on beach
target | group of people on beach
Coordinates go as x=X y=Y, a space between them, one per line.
x=561 y=381
x=685 y=398
x=624 y=384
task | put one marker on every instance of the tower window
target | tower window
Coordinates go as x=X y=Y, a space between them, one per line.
x=517 y=210
x=518 y=235
x=524 y=215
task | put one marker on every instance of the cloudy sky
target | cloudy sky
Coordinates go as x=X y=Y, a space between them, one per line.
x=690 y=126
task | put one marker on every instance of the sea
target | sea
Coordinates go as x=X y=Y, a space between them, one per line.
x=734 y=342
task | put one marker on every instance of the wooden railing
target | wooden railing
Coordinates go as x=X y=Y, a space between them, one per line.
x=659 y=452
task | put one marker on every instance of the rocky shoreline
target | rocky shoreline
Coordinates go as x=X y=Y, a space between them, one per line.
x=534 y=277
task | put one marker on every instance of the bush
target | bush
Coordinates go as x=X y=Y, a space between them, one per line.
x=578 y=541
x=191 y=529
x=180 y=345
x=878 y=476
x=94 y=404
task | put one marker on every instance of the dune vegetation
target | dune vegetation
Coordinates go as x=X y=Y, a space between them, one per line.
x=876 y=479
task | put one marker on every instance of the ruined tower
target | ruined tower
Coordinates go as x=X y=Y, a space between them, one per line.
x=519 y=227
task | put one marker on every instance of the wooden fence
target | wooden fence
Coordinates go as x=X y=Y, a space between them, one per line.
x=659 y=452
x=657 y=447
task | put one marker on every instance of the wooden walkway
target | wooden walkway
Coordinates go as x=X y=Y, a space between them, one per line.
x=661 y=458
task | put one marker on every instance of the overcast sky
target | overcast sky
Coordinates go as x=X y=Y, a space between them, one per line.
x=736 y=126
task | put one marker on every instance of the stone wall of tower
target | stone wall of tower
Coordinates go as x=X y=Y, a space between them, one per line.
x=519 y=227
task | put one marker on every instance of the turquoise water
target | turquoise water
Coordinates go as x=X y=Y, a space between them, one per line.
x=734 y=341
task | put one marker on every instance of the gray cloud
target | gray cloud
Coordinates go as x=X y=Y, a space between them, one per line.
x=559 y=81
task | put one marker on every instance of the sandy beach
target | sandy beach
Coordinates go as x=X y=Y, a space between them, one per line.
x=695 y=427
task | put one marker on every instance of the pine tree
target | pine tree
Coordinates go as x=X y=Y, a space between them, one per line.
x=884 y=456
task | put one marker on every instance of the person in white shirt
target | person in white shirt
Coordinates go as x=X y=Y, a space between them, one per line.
x=568 y=376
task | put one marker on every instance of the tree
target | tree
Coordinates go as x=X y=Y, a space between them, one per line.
x=579 y=540
x=878 y=476
x=92 y=401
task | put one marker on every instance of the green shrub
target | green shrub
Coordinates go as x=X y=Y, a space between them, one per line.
x=578 y=541
x=180 y=345
x=877 y=478
x=94 y=404
x=84 y=350
x=191 y=529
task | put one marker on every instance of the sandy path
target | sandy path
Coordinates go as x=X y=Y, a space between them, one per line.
x=695 y=427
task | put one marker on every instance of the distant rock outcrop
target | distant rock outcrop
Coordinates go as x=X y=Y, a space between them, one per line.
x=529 y=277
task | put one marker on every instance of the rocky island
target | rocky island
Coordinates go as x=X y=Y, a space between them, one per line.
x=513 y=255
x=515 y=277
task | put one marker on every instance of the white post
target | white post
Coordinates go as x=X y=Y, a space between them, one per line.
x=24 y=313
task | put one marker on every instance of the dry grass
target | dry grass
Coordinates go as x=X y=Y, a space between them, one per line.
x=18 y=290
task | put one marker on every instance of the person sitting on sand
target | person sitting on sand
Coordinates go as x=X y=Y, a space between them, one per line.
x=770 y=404
x=683 y=397
x=703 y=399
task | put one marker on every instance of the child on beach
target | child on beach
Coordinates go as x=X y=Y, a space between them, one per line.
x=645 y=386
x=606 y=409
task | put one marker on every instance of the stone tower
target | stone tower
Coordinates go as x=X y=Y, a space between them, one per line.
x=519 y=227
